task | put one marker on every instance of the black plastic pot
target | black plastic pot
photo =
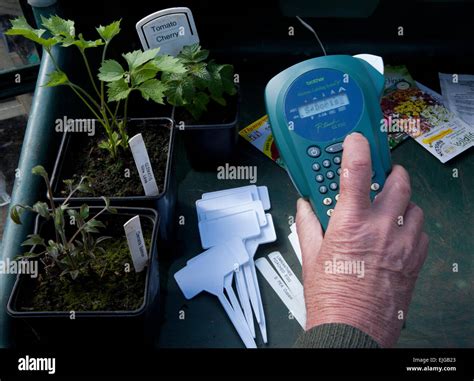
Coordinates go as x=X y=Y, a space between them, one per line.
x=100 y=327
x=164 y=203
x=210 y=145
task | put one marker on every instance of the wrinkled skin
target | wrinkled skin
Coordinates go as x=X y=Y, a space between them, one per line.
x=387 y=235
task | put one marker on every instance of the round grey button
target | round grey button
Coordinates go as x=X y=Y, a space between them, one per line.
x=327 y=201
x=336 y=197
x=337 y=160
x=333 y=186
x=323 y=189
x=314 y=151
x=339 y=171
x=329 y=212
x=375 y=186
x=316 y=167
x=326 y=163
x=330 y=175
x=319 y=178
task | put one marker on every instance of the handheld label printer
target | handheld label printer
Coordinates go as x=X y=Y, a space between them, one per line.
x=312 y=106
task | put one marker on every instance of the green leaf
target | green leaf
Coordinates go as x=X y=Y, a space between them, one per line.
x=42 y=209
x=179 y=93
x=56 y=78
x=59 y=26
x=138 y=57
x=227 y=76
x=30 y=255
x=16 y=212
x=102 y=239
x=169 y=64
x=74 y=274
x=118 y=90
x=81 y=43
x=34 y=239
x=84 y=186
x=153 y=89
x=59 y=217
x=199 y=105
x=109 y=31
x=92 y=226
x=39 y=171
x=144 y=73
x=107 y=205
x=84 y=211
x=110 y=71
x=200 y=72
x=20 y=27
x=193 y=53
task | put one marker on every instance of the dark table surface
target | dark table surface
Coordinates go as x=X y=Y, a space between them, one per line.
x=442 y=309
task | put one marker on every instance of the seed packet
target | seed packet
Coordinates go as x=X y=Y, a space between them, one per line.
x=259 y=134
x=427 y=120
x=397 y=79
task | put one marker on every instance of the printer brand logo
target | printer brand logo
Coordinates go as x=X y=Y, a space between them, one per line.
x=243 y=172
x=345 y=267
x=75 y=125
x=314 y=81
x=34 y=364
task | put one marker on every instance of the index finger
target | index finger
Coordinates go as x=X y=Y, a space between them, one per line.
x=356 y=172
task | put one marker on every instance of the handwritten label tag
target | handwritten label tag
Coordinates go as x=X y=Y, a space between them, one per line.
x=136 y=243
x=142 y=161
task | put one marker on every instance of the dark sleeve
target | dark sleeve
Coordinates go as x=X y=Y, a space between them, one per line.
x=335 y=336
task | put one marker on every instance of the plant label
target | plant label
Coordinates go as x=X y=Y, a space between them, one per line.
x=293 y=304
x=136 y=243
x=142 y=161
x=169 y=29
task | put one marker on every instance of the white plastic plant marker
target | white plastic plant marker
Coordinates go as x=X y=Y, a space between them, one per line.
x=212 y=271
x=243 y=225
x=136 y=243
x=289 y=300
x=142 y=161
x=287 y=274
x=295 y=243
x=257 y=206
x=227 y=201
x=169 y=29
x=267 y=235
x=258 y=193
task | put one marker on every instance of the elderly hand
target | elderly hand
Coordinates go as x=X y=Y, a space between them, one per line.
x=363 y=270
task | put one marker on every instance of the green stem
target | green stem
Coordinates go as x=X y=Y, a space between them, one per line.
x=116 y=110
x=83 y=226
x=103 y=105
x=102 y=82
x=89 y=71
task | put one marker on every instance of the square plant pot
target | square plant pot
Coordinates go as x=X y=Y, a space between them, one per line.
x=210 y=143
x=79 y=155
x=137 y=293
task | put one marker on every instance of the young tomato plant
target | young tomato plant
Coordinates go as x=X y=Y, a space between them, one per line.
x=143 y=67
x=200 y=83
x=65 y=255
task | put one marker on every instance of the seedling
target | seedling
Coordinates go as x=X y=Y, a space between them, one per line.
x=65 y=255
x=143 y=68
x=199 y=83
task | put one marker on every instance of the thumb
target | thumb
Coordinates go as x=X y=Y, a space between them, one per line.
x=310 y=233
